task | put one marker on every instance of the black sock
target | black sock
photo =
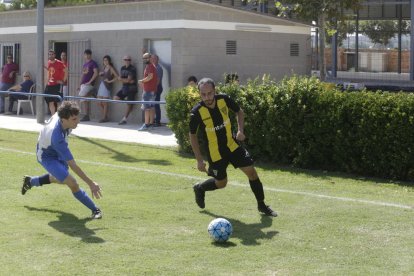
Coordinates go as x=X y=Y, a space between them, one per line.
x=257 y=188
x=208 y=185
x=44 y=179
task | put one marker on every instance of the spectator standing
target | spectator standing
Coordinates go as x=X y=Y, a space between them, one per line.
x=160 y=73
x=129 y=90
x=64 y=60
x=149 y=87
x=56 y=77
x=8 y=78
x=192 y=81
x=108 y=75
x=22 y=87
x=89 y=75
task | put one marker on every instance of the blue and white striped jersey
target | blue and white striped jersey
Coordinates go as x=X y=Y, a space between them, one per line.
x=52 y=143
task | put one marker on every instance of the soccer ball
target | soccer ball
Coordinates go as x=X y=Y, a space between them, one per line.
x=220 y=229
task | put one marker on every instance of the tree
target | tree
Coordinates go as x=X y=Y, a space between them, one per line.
x=324 y=12
x=382 y=31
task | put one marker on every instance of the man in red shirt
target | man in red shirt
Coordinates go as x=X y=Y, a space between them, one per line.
x=56 y=77
x=149 y=87
x=8 y=78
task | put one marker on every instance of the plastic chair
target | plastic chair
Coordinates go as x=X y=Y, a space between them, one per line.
x=29 y=100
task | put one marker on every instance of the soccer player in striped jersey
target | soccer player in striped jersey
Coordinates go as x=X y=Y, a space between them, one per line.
x=54 y=155
x=211 y=116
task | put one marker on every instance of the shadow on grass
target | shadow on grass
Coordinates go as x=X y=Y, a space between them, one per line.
x=119 y=156
x=249 y=234
x=70 y=225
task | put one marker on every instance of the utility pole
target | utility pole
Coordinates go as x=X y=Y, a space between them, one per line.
x=40 y=116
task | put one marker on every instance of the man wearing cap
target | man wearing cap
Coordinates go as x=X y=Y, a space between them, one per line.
x=128 y=78
x=149 y=86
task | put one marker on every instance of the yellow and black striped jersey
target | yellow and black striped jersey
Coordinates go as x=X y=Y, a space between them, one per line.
x=216 y=126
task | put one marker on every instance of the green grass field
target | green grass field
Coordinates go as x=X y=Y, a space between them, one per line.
x=330 y=224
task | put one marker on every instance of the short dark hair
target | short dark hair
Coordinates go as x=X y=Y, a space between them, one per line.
x=88 y=52
x=192 y=78
x=68 y=109
x=231 y=78
x=204 y=81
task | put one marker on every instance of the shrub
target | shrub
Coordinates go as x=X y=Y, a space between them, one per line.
x=179 y=104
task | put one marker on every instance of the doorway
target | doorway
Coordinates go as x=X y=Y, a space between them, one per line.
x=74 y=51
x=162 y=48
x=60 y=47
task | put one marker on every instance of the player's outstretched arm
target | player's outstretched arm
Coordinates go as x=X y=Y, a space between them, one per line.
x=95 y=188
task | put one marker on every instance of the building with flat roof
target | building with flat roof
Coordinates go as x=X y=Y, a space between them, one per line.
x=190 y=37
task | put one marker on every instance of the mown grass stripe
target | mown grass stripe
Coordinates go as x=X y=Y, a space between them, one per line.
x=237 y=184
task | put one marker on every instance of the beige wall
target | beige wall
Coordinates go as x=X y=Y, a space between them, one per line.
x=200 y=52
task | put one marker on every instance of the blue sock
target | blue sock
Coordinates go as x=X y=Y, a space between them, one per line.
x=34 y=181
x=40 y=180
x=83 y=197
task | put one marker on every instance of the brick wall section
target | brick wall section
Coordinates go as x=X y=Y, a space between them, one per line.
x=391 y=59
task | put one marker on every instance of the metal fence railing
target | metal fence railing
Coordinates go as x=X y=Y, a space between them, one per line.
x=80 y=98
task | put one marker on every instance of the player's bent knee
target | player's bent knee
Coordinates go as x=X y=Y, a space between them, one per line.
x=250 y=172
x=221 y=183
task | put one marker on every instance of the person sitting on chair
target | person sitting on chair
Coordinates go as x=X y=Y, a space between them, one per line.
x=22 y=87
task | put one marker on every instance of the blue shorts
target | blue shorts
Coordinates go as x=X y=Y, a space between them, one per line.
x=148 y=96
x=57 y=168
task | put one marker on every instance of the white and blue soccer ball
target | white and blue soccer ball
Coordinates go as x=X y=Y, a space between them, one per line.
x=220 y=229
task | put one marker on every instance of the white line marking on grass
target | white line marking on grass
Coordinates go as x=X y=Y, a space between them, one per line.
x=371 y=202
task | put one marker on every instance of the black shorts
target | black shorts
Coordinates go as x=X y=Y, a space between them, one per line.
x=239 y=158
x=53 y=90
x=127 y=92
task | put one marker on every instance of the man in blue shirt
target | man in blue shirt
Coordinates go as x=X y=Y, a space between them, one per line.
x=54 y=155
x=22 y=87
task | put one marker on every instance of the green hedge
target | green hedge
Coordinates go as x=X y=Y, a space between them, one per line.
x=306 y=123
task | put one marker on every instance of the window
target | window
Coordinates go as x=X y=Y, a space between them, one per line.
x=294 y=49
x=12 y=49
x=231 y=47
